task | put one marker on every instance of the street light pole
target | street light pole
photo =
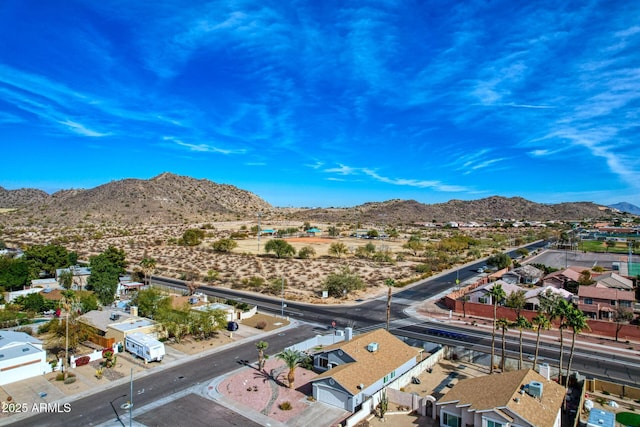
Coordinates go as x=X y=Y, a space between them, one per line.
x=283 y=297
x=131 y=401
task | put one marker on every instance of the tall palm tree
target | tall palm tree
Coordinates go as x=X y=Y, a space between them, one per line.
x=541 y=322
x=292 y=359
x=561 y=310
x=261 y=346
x=577 y=320
x=148 y=266
x=521 y=323
x=503 y=324
x=497 y=294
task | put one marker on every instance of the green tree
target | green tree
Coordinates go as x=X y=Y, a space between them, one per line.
x=46 y=258
x=306 y=252
x=14 y=273
x=521 y=323
x=541 y=322
x=504 y=324
x=150 y=302
x=338 y=249
x=333 y=231
x=281 y=248
x=192 y=237
x=148 y=266
x=577 y=321
x=373 y=234
x=34 y=302
x=414 y=246
x=224 y=245
x=342 y=282
x=561 y=310
x=585 y=278
x=65 y=278
x=610 y=244
x=262 y=346
x=292 y=359
x=497 y=294
x=206 y=323
x=499 y=261
x=106 y=269
x=88 y=301
x=622 y=316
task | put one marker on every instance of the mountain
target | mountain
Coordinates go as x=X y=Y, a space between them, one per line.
x=481 y=210
x=170 y=199
x=166 y=198
x=626 y=207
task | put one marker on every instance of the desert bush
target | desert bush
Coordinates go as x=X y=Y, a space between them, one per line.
x=70 y=380
x=261 y=324
x=285 y=406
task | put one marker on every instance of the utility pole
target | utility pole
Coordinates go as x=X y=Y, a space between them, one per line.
x=259 y=213
x=282 y=297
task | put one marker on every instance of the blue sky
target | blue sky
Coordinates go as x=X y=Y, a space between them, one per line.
x=326 y=103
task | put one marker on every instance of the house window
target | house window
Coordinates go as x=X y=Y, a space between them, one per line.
x=482 y=300
x=626 y=304
x=490 y=423
x=588 y=301
x=449 y=420
x=323 y=363
x=613 y=303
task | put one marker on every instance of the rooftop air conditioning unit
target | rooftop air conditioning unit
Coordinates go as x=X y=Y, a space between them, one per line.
x=372 y=347
x=535 y=389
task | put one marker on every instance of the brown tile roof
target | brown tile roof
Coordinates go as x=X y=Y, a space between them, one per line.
x=369 y=367
x=499 y=392
x=605 y=293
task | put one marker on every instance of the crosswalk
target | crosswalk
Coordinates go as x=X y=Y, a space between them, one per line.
x=394 y=324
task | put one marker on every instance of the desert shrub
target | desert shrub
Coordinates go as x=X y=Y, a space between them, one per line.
x=423 y=268
x=70 y=380
x=285 y=406
x=261 y=324
x=60 y=376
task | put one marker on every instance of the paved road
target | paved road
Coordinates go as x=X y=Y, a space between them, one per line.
x=96 y=409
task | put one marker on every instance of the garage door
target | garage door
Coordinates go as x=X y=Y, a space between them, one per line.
x=333 y=397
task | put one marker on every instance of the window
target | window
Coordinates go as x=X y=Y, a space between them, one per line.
x=588 y=301
x=613 y=303
x=449 y=420
x=626 y=304
x=491 y=423
x=323 y=363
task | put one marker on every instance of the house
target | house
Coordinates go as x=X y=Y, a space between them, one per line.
x=313 y=232
x=21 y=357
x=532 y=297
x=527 y=274
x=481 y=294
x=11 y=296
x=228 y=310
x=354 y=369
x=614 y=281
x=115 y=325
x=80 y=276
x=600 y=418
x=558 y=279
x=520 y=398
x=601 y=303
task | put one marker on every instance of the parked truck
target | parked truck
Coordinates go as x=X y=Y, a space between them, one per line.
x=144 y=346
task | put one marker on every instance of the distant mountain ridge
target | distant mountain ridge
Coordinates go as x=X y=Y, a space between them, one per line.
x=626 y=207
x=170 y=198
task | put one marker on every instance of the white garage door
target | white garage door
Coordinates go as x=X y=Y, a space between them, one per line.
x=333 y=397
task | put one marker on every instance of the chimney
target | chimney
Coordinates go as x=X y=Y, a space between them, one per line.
x=348 y=333
x=133 y=310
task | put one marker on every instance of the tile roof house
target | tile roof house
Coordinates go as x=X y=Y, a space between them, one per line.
x=527 y=274
x=558 y=279
x=358 y=367
x=481 y=293
x=532 y=297
x=520 y=398
x=601 y=303
x=614 y=281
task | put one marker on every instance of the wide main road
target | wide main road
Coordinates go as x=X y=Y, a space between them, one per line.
x=96 y=408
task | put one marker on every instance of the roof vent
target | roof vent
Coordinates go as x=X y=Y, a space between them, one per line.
x=372 y=347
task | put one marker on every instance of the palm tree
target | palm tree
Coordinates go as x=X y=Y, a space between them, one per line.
x=561 y=310
x=521 y=323
x=577 y=320
x=262 y=359
x=292 y=359
x=148 y=267
x=497 y=294
x=541 y=322
x=503 y=324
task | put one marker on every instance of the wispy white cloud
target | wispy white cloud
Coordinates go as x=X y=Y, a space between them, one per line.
x=81 y=129
x=205 y=148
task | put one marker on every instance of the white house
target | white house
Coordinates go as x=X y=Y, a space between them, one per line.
x=21 y=357
x=358 y=367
